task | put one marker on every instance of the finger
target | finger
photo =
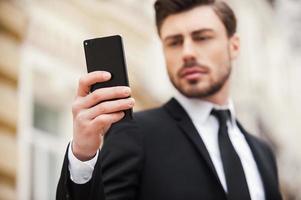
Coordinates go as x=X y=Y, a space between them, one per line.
x=89 y=79
x=110 y=107
x=103 y=122
x=104 y=94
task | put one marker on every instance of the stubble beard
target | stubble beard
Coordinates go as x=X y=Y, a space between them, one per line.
x=193 y=90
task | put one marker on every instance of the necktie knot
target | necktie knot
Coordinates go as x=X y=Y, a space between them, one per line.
x=222 y=116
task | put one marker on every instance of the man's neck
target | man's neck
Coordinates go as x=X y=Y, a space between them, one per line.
x=201 y=108
x=221 y=97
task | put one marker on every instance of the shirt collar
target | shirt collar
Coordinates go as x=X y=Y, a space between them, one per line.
x=199 y=110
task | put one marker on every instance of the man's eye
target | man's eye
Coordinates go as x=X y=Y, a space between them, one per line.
x=202 y=38
x=174 y=43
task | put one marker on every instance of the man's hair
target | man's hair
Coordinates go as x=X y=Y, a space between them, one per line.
x=164 y=8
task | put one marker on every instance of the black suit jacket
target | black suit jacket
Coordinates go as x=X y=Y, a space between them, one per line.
x=160 y=156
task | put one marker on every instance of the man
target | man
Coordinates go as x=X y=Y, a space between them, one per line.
x=192 y=147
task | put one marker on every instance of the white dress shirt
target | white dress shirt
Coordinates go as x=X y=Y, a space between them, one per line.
x=207 y=126
x=80 y=172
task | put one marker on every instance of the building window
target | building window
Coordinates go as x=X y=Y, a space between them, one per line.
x=45 y=118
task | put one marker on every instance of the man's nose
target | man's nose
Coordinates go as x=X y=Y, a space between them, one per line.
x=189 y=51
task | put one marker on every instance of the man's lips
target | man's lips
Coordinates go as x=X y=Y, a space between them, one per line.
x=192 y=73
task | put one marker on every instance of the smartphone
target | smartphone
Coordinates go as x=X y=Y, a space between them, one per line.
x=107 y=54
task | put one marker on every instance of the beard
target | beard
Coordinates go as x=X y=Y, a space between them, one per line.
x=202 y=88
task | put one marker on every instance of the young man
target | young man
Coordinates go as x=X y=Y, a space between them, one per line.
x=192 y=147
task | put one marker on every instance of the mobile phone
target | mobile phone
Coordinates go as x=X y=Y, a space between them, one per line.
x=107 y=54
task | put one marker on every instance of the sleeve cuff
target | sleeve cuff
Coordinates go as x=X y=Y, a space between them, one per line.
x=80 y=172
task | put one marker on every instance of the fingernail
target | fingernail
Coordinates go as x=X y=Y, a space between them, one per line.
x=107 y=75
x=127 y=91
x=132 y=101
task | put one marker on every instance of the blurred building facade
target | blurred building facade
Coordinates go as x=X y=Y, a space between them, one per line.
x=12 y=28
x=42 y=59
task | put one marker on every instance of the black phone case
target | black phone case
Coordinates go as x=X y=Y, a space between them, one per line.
x=107 y=54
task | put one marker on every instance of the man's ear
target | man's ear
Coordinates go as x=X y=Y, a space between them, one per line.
x=234 y=46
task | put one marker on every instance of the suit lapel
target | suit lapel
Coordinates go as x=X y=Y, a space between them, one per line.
x=185 y=124
x=267 y=175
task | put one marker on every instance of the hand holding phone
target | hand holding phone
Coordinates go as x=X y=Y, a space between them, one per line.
x=103 y=95
x=107 y=54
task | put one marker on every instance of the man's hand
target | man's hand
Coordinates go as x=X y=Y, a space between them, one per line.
x=91 y=120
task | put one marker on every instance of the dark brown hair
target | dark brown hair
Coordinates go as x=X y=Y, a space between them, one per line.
x=164 y=8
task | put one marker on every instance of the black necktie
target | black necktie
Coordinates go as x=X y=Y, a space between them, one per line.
x=235 y=178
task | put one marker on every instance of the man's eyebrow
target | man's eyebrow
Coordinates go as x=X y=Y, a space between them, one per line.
x=200 y=31
x=175 y=36
x=196 y=32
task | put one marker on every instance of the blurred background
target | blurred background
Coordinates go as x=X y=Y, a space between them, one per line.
x=41 y=60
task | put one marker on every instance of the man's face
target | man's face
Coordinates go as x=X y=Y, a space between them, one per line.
x=198 y=52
